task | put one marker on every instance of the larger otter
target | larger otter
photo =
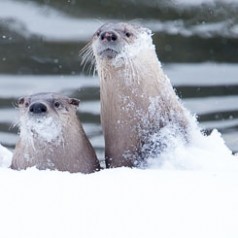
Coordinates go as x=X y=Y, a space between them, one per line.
x=140 y=112
x=51 y=136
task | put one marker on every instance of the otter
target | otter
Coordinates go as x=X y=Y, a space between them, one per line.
x=141 y=114
x=51 y=136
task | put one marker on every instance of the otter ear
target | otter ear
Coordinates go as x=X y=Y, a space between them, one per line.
x=74 y=101
x=20 y=101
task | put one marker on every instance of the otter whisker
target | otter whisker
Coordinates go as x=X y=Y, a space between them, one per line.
x=134 y=71
x=15 y=105
x=13 y=125
x=132 y=74
x=85 y=51
x=87 y=56
x=16 y=124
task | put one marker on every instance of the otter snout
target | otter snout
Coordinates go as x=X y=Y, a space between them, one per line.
x=108 y=36
x=120 y=41
x=38 y=108
x=108 y=44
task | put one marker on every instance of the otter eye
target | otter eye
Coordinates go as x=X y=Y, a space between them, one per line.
x=128 y=34
x=98 y=33
x=22 y=102
x=57 y=104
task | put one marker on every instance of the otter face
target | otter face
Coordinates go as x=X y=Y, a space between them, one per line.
x=42 y=104
x=42 y=114
x=113 y=39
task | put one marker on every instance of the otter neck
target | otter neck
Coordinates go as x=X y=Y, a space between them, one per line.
x=133 y=84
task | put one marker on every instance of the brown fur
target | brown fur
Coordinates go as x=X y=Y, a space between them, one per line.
x=69 y=151
x=137 y=99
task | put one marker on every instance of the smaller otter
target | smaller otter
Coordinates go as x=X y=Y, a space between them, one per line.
x=51 y=136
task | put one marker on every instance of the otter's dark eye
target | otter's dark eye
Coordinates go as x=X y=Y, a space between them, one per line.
x=128 y=34
x=27 y=104
x=57 y=104
x=98 y=33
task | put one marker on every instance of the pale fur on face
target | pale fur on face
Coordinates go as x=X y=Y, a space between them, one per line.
x=132 y=38
x=45 y=127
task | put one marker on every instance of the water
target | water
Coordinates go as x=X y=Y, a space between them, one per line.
x=196 y=42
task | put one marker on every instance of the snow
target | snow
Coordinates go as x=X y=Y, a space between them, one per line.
x=65 y=211
x=5 y=157
x=193 y=194
x=118 y=203
x=144 y=41
x=46 y=128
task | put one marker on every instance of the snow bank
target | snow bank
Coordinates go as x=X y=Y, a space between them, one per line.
x=5 y=157
x=205 y=153
x=118 y=203
x=193 y=194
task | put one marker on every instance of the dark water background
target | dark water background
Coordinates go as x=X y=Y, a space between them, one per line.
x=196 y=41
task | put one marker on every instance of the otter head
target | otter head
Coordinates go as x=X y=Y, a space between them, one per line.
x=120 y=39
x=117 y=42
x=43 y=114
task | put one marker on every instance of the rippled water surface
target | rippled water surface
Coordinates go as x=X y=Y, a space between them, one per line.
x=196 y=41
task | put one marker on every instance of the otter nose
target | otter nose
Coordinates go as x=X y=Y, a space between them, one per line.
x=108 y=36
x=38 y=108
